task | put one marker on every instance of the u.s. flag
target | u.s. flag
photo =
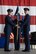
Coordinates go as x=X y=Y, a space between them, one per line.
x=5 y=4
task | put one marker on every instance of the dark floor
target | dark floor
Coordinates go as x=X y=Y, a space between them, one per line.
x=17 y=52
x=22 y=46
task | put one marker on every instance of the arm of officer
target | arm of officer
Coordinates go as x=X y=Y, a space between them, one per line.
x=10 y=21
x=27 y=20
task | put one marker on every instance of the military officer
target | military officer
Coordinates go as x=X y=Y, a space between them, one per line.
x=8 y=28
x=17 y=29
x=26 y=29
x=17 y=34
